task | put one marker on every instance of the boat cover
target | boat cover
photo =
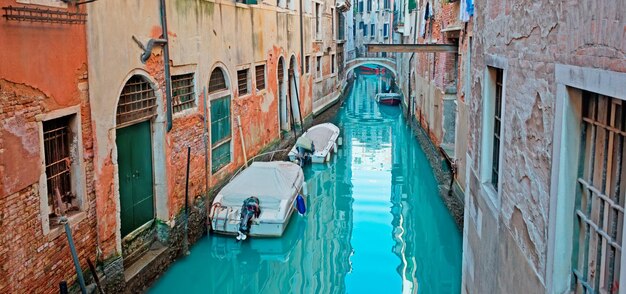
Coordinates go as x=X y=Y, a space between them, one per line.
x=271 y=182
x=304 y=142
x=320 y=135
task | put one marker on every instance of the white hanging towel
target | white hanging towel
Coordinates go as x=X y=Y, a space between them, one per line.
x=422 y=23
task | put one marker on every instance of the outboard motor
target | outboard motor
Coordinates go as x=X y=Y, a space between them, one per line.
x=249 y=210
x=305 y=148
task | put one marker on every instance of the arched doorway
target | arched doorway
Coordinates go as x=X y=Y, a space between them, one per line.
x=294 y=95
x=220 y=113
x=282 y=96
x=136 y=108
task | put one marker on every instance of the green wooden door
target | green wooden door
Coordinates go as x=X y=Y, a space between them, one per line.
x=134 y=158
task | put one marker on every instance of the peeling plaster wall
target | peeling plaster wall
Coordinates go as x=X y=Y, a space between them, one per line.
x=43 y=68
x=202 y=35
x=531 y=36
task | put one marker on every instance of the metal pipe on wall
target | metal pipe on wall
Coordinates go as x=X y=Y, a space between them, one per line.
x=302 y=58
x=166 y=65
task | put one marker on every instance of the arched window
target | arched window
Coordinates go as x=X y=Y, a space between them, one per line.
x=220 y=120
x=217 y=82
x=137 y=102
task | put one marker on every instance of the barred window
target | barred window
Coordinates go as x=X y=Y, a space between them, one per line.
x=260 y=77
x=599 y=209
x=57 y=137
x=137 y=102
x=217 y=82
x=242 y=81
x=332 y=63
x=183 y=95
x=495 y=165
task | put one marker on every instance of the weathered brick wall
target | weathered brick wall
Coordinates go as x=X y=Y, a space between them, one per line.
x=533 y=36
x=42 y=69
x=31 y=261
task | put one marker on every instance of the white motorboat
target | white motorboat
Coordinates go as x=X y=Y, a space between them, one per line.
x=316 y=144
x=273 y=185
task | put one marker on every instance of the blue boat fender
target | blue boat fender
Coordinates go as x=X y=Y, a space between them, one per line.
x=300 y=204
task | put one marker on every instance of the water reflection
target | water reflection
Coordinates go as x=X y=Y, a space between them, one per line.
x=375 y=223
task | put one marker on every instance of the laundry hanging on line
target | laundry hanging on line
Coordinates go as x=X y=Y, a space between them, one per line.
x=467 y=10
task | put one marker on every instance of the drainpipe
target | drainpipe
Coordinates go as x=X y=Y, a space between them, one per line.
x=166 y=57
x=301 y=41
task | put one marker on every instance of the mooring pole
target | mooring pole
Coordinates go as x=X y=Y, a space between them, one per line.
x=79 y=272
x=293 y=75
x=185 y=237
x=206 y=150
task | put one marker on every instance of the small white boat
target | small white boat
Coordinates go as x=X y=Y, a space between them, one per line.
x=316 y=144
x=275 y=186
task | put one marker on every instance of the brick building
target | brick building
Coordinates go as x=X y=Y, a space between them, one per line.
x=46 y=145
x=546 y=175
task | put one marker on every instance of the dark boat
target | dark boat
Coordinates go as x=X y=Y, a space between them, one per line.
x=389 y=98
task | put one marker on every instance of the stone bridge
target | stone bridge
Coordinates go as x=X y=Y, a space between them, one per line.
x=387 y=63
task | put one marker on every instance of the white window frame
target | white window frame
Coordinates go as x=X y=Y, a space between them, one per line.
x=77 y=174
x=570 y=82
x=486 y=151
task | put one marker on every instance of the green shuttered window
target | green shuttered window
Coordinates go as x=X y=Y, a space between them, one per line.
x=220 y=133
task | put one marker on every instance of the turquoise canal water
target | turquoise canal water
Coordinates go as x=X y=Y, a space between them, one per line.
x=375 y=223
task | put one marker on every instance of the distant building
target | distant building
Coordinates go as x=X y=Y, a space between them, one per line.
x=372 y=25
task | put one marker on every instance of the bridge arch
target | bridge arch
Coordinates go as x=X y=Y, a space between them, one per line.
x=384 y=62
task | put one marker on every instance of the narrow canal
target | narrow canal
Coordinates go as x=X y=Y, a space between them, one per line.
x=375 y=223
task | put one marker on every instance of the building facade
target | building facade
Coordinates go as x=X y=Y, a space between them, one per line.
x=227 y=80
x=372 y=25
x=544 y=208
x=46 y=145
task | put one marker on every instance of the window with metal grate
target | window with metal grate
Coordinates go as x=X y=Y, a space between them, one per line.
x=495 y=165
x=600 y=199
x=260 y=76
x=183 y=95
x=137 y=102
x=57 y=144
x=242 y=81
x=217 y=82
